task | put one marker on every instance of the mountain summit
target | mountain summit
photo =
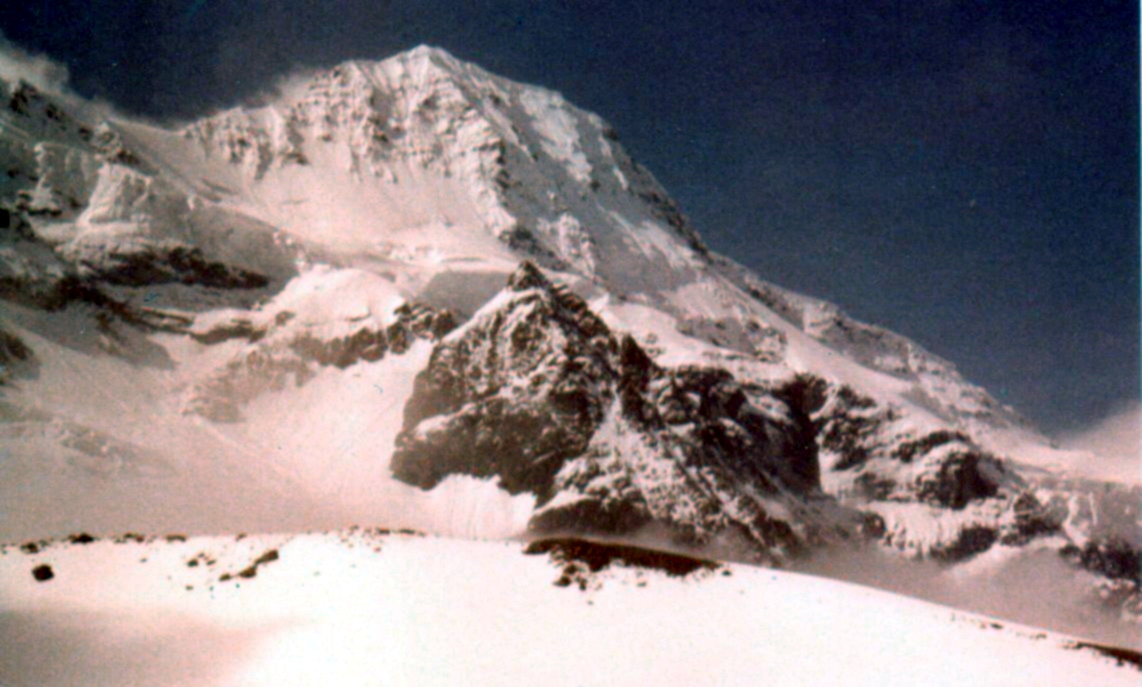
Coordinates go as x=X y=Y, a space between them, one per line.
x=415 y=292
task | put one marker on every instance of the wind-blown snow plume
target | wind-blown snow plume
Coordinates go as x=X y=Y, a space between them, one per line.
x=39 y=70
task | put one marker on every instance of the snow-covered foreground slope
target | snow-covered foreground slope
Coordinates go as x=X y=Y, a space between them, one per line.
x=365 y=607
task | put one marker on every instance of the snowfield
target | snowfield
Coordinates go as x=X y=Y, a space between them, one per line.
x=368 y=607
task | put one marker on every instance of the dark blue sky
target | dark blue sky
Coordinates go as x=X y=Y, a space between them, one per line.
x=965 y=173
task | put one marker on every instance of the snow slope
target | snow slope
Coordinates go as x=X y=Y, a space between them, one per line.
x=362 y=607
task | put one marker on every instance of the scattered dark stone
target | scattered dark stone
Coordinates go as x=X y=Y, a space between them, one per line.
x=43 y=573
x=30 y=547
x=172 y=538
x=81 y=538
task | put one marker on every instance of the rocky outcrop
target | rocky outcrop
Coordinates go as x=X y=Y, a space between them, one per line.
x=875 y=461
x=538 y=392
x=513 y=394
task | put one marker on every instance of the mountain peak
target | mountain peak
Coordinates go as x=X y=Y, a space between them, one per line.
x=427 y=52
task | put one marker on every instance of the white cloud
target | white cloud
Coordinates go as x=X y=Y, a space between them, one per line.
x=1115 y=442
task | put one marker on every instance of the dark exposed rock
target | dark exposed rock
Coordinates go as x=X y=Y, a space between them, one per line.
x=14 y=355
x=804 y=395
x=527 y=276
x=1111 y=557
x=872 y=526
x=43 y=573
x=234 y=329
x=850 y=427
x=1120 y=655
x=962 y=477
x=424 y=321
x=1033 y=519
x=970 y=541
x=15 y=226
x=874 y=486
x=364 y=344
x=907 y=450
x=519 y=392
x=164 y=265
x=597 y=556
x=594 y=515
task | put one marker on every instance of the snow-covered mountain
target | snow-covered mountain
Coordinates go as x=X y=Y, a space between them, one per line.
x=415 y=293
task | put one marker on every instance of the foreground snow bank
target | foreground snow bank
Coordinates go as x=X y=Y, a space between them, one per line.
x=365 y=607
